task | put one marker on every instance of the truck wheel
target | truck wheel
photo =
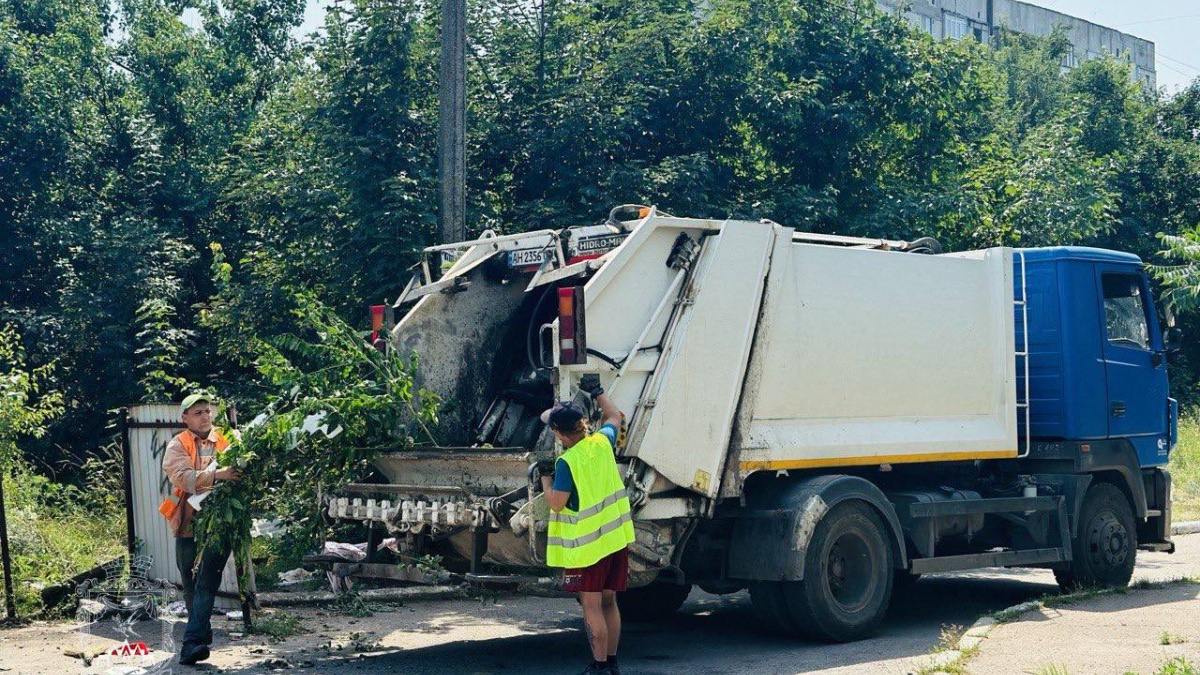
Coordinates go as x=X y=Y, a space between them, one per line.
x=1104 y=550
x=848 y=576
x=653 y=602
x=771 y=608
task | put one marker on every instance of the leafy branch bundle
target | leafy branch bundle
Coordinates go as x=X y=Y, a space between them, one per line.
x=340 y=404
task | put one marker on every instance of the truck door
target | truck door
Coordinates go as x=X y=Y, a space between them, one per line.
x=1133 y=361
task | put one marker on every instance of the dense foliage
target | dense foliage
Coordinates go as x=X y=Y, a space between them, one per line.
x=134 y=134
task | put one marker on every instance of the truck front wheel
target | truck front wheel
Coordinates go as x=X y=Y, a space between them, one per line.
x=1104 y=548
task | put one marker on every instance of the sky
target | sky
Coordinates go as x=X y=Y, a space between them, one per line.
x=1173 y=26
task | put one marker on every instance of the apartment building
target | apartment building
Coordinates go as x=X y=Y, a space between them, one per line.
x=982 y=19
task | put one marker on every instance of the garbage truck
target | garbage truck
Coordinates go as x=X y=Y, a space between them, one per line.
x=814 y=418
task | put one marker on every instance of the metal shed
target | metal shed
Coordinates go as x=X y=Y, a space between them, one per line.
x=147 y=430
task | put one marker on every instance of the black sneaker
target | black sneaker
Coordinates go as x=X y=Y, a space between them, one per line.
x=193 y=654
x=597 y=669
x=613 y=668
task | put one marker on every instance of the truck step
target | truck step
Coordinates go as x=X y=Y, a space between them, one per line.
x=953 y=563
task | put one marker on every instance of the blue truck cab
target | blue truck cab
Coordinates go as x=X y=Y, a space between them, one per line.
x=1097 y=377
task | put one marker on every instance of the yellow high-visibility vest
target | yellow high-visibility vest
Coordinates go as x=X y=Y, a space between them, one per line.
x=603 y=524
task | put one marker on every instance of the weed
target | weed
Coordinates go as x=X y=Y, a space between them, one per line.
x=1168 y=638
x=948 y=637
x=277 y=625
x=1178 y=666
x=1052 y=669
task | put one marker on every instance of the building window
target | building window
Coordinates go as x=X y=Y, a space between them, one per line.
x=1124 y=313
x=1069 y=59
x=926 y=24
x=956 y=27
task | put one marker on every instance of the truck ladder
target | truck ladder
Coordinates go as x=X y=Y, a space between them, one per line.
x=1023 y=354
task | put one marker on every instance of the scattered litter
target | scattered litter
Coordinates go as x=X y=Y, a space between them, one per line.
x=236 y=636
x=347 y=552
x=266 y=528
x=177 y=608
x=390 y=544
x=295 y=576
x=235 y=615
x=351 y=552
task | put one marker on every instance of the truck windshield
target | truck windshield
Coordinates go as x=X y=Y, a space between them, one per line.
x=1124 y=312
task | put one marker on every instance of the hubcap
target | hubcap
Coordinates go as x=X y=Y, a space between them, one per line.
x=850 y=571
x=1108 y=541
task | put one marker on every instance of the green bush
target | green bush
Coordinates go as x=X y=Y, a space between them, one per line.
x=1185 y=470
x=56 y=531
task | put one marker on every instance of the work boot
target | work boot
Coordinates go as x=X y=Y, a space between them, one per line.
x=193 y=654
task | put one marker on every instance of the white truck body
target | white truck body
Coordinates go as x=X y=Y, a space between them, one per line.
x=792 y=355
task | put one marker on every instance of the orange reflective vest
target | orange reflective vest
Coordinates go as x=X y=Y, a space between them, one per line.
x=187 y=439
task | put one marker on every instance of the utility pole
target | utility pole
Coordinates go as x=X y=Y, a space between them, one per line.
x=452 y=131
x=10 y=600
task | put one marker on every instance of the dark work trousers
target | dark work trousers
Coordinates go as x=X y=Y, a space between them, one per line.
x=199 y=589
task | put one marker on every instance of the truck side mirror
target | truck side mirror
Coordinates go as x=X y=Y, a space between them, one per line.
x=1173 y=341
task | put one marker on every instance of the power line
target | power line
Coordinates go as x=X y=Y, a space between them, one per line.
x=1159 y=19
x=1170 y=58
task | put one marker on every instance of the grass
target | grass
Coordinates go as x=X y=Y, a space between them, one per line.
x=1185 y=471
x=1176 y=666
x=58 y=530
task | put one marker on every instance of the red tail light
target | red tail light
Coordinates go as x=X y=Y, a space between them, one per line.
x=572 y=334
x=376 y=320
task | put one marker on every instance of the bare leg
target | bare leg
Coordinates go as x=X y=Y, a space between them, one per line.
x=594 y=625
x=612 y=620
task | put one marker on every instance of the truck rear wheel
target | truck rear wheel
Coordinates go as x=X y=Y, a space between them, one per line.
x=847 y=584
x=848 y=576
x=1104 y=549
x=771 y=608
x=653 y=602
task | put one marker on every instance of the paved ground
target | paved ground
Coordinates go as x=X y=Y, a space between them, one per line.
x=535 y=636
x=1111 y=634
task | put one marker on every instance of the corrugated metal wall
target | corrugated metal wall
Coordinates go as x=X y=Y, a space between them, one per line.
x=150 y=487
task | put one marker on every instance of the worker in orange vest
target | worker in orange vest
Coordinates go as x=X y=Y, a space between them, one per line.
x=190 y=465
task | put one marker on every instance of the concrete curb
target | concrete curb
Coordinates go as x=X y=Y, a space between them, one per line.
x=969 y=641
x=1190 y=527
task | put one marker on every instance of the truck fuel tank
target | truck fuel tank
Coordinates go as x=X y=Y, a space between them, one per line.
x=925 y=532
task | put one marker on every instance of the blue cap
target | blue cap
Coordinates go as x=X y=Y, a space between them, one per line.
x=564 y=416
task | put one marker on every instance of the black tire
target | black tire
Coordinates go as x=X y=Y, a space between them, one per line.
x=848 y=576
x=653 y=602
x=771 y=608
x=1104 y=550
x=904 y=579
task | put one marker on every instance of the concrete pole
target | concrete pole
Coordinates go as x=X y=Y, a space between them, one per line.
x=452 y=132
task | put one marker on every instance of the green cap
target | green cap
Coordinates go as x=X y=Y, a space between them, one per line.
x=193 y=399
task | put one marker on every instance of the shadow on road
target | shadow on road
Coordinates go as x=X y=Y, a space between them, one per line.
x=711 y=634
